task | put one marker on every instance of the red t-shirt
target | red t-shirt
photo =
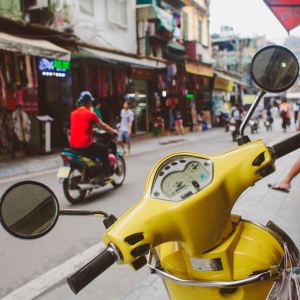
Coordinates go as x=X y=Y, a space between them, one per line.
x=82 y=123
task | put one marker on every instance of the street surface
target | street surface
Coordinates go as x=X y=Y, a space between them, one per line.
x=22 y=261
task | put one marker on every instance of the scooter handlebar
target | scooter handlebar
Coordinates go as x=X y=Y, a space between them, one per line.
x=91 y=270
x=287 y=146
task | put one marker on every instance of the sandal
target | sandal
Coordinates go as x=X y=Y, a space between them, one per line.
x=278 y=188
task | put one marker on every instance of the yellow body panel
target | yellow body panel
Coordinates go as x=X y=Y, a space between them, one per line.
x=202 y=221
x=249 y=248
x=200 y=227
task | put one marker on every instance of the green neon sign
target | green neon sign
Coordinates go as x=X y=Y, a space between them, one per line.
x=60 y=64
x=190 y=96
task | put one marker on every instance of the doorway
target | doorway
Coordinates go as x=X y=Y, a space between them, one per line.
x=139 y=106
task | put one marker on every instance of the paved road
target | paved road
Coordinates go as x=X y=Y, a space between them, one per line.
x=22 y=261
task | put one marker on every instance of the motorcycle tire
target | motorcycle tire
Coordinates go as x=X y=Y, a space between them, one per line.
x=119 y=182
x=67 y=188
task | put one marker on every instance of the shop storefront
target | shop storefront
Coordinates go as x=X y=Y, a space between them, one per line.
x=110 y=77
x=141 y=80
x=106 y=80
x=227 y=91
x=20 y=82
x=221 y=96
x=55 y=90
x=200 y=84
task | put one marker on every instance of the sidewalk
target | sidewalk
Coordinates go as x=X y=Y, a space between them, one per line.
x=258 y=203
x=30 y=164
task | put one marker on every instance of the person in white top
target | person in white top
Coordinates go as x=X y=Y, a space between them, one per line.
x=127 y=117
x=274 y=111
x=295 y=109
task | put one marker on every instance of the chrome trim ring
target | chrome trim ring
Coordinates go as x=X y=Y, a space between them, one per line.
x=114 y=250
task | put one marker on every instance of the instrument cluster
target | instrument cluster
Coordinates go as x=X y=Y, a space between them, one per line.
x=180 y=177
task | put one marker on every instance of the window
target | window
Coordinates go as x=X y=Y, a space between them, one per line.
x=200 y=31
x=117 y=12
x=87 y=7
x=185 y=26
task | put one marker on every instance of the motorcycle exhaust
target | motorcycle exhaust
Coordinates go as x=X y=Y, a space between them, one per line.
x=88 y=186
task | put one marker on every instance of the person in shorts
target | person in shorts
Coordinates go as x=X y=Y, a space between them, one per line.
x=178 y=119
x=127 y=117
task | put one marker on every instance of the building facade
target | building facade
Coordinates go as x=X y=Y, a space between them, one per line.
x=157 y=53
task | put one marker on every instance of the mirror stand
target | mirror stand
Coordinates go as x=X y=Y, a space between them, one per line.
x=242 y=140
x=76 y=212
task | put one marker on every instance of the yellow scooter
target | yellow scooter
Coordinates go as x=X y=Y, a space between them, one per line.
x=183 y=223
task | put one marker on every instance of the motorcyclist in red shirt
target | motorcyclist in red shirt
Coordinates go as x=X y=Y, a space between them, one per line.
x=83 y=120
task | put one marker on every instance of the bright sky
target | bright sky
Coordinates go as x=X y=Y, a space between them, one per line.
x=247 y=17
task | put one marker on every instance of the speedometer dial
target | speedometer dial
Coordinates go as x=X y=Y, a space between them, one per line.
x=175 y=183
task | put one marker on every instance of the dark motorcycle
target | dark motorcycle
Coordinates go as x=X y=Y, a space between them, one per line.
x=268 y=122
x=234 y=128
x=80 y=173
x=253 y=126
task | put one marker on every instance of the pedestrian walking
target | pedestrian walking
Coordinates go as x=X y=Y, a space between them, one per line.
x=97 y=106
x=285 y=184
x=177 y=119
x=284 y=114
x=274 y=111
x=127 y=117
x=295 y=108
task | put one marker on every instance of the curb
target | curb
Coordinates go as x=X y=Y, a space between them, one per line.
x=42 y=166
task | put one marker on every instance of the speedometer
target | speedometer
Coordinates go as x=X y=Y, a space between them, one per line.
x=175 y=183
x=180 y=177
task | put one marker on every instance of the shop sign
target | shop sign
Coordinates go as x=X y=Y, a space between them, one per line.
x=53 y=67
x=139 y=73
x=248 y=99
x=199 y=68
x=223 y=84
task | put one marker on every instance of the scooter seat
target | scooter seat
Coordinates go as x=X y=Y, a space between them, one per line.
x=72 y=150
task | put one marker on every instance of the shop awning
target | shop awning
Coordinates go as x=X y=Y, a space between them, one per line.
x=228 y=78
x=41 y=48
x=286 y=11
x=248 y=99
x=199 y=68
x=293 y=96
x=231 y=60
x=176 y=46
x=84 y=54
x=120 y=58
x=270 y=95
x=148 y=12
x=223 y=84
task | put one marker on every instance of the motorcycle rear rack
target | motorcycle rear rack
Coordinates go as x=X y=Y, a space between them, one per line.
x=257 y=276
x=164 y=274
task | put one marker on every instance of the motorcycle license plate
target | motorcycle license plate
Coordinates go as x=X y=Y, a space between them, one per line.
x=231 y=128
x=63 y=172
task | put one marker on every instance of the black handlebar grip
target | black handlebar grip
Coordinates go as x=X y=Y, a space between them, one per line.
x=287 y=146
x=90 y=271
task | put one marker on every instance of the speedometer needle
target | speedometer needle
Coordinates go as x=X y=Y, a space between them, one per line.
x=175 y=187
x=192 y=167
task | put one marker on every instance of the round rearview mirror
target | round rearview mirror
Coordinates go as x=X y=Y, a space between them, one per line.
x=274 y=69
x=28 y=210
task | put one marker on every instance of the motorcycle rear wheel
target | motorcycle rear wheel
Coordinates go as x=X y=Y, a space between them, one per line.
x=69 y=187
x=119 y=178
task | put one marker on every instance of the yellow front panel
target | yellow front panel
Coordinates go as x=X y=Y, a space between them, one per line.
x=203 y=220
x=249 y=248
